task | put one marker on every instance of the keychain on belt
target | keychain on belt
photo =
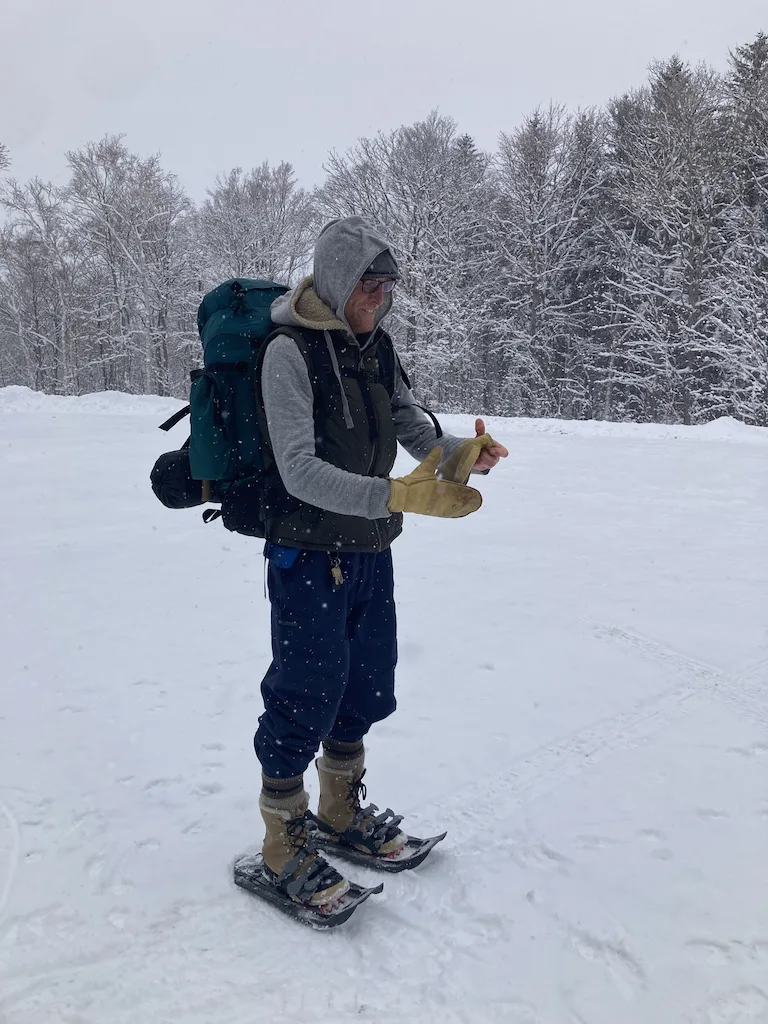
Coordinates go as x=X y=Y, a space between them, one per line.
x=337 y=575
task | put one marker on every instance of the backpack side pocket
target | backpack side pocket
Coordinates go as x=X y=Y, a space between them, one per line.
x=212 y=449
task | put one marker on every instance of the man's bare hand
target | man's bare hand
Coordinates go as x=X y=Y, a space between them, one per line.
x=488 y=457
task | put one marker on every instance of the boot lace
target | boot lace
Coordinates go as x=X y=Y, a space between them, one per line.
x=298 y=833
x=358 y=791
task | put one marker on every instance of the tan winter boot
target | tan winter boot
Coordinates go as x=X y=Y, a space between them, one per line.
x=341 y=816
x=290 y=859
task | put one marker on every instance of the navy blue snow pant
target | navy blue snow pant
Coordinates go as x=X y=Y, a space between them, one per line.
x=334 y=653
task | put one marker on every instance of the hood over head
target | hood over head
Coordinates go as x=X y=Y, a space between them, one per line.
x=344 y=251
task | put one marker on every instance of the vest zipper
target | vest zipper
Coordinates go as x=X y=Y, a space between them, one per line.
x=373 y=427
x=374 y=446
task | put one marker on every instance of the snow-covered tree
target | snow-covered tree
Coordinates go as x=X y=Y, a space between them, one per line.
x=428 y=190
x=668 y=195
x=41 y=260
x=129 y=211
x=548 y=180
x=744 y=325
x=609 y=264
x=259 y=224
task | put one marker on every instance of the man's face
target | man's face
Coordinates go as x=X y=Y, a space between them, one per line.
x=363 y=304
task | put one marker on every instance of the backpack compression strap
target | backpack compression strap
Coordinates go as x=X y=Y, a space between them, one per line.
x=176 y=418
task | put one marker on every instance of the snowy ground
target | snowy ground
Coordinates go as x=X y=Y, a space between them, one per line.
x=582 y=704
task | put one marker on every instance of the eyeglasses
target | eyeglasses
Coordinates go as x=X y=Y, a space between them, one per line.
x=370 y=285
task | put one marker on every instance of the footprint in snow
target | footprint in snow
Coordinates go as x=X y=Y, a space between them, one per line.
x=594 y=842
x=162 y=783
x=539 y=855
x=118 y=919
x=651 y=835
x=755 y=750
x=725 y=954
x=95 y=866
x=208 y=788
x=625 y=970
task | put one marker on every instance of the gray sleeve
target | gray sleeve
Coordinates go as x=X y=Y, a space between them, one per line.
x=415 y=430
x=288 y=404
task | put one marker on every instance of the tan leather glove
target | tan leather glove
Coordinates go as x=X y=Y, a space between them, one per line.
x=423 y=493
x=458 y=467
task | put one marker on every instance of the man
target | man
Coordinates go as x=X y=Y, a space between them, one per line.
x=335 y=403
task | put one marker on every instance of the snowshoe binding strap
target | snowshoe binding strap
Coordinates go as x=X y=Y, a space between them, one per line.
x=373 y=830
x=307 y=872
x=369 y=829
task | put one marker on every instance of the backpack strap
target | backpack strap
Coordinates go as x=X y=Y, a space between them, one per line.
x=388 y=363
x=176 y=418
x=406 y=380
x=435 y=420
x=312 y=371
x=241 y=367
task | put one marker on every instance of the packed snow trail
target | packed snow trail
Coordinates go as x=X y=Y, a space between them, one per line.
x=582 y=704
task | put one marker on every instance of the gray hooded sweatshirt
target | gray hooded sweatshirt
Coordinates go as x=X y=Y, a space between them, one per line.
x=344 y=249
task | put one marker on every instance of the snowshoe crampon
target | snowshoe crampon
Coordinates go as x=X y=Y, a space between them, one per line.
x=411 y=854
x=251 y=873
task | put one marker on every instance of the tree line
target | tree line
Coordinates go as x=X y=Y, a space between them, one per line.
x=606 y=264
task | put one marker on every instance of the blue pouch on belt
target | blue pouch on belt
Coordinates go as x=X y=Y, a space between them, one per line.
x=280 y=556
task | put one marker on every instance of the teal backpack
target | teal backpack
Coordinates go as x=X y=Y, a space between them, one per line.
x=222 y=461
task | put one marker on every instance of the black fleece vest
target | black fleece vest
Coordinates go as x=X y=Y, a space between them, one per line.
x=368 y=447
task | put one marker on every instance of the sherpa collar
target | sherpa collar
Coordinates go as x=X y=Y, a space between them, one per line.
x=309 y=310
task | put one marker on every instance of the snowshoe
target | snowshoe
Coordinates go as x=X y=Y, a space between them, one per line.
x=360 y=834
x=360 y=844
x=292 y=895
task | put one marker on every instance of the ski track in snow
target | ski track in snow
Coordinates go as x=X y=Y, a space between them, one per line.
x=538 y=773
x=551 y=766
x=738 y=691
x=528 y=921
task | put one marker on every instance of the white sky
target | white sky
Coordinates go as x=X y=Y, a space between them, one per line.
x=212 y=85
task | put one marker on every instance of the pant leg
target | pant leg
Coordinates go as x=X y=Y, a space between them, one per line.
x=369 y=695
x=305 y=683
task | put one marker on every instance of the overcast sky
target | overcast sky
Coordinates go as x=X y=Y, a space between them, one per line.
x=213 y=85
